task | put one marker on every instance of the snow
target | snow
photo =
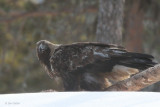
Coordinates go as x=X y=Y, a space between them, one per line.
x=81 y=99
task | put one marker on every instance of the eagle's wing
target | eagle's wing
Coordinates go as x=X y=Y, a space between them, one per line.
x=96 y=57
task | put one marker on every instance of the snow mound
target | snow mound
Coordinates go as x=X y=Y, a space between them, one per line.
x=81 y=99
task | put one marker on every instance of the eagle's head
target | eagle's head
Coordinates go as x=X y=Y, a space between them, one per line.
x=45 y=50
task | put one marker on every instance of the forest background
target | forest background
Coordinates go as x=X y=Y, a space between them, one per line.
x=24 y=22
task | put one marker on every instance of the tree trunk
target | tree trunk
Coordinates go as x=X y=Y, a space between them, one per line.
x=110 y=21
x=134 y=26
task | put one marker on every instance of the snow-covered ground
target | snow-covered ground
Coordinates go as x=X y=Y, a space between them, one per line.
x=81 y=99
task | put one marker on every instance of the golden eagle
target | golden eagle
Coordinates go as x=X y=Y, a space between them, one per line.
x=90 y=66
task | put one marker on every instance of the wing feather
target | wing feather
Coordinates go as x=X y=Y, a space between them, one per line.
x=96 y=57
x=88 y=56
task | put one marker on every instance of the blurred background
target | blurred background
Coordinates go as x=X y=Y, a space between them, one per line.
x=24 y=22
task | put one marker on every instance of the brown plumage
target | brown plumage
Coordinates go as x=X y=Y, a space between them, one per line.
x=90 y=66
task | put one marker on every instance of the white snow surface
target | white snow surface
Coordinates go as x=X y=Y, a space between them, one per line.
x=81 y=99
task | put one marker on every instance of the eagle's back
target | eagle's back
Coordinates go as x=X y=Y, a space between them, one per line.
x=77 y=56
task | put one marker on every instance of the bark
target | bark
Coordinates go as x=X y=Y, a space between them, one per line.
x=138 y=81
x=110 y=20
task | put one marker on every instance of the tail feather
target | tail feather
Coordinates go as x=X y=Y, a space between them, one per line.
x=138 y=60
